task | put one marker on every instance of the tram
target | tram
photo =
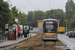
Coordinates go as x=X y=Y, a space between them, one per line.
x=50 y=30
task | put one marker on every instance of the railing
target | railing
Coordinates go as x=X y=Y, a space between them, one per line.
x=3 y=38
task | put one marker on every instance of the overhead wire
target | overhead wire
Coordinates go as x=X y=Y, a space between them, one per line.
x=33 y=7
x=50 y=8
x=50 y=4
x=31 y=4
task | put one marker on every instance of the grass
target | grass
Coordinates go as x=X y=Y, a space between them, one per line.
x=23 y=46
x=49 y=44
x=68 y=49
x=29 y=43
x=16 y=47
x=72 y=29
x=20 y=42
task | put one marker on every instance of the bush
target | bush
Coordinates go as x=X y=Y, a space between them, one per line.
x=71 y=29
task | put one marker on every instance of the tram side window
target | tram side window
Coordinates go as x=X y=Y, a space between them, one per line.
x=44 y=27
x=55 y=24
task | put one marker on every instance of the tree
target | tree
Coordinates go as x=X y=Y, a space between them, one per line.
x=70 y=11
x=14 y=10
x=57 y=14
x=22 y=18
x=30 y=17
x=33 y=16
x=15 y=13
x=4 y=13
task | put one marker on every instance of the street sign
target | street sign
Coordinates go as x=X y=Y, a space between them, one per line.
x=16 y=19
x=66 y=28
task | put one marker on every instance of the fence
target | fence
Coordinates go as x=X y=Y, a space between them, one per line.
x=3 y=38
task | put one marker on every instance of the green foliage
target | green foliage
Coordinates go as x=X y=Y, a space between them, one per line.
x=70 y=11
x=57 y=14
x=15 y=13
x=66 y=18
x=22 y=18
x=4 y=14
x=12 y=20
x=14 y=10
x=33 y=16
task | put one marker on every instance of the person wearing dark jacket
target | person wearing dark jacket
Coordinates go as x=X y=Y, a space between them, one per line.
x=15 y=34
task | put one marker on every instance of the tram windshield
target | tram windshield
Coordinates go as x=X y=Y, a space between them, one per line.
x=50 y=28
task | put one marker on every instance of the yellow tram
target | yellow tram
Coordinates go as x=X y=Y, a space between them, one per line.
x=50 y=30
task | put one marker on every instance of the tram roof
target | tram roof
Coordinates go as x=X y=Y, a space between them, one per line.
x=50 y=19
x=47 y=19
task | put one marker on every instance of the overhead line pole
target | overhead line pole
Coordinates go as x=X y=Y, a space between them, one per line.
x=50 y=7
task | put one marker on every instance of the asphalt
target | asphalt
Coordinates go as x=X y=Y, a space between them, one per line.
x=70 y=42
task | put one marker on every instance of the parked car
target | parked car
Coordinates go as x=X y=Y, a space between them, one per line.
x=71 y=34
x=68 y=32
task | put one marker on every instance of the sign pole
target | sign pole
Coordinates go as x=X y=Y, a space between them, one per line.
x=66 y=28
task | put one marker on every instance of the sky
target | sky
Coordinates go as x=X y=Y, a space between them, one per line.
x=31 y=5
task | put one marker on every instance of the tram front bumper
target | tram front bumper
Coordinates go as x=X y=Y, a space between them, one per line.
x=50 y=38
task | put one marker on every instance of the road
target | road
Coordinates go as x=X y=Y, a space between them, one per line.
x=70 y=42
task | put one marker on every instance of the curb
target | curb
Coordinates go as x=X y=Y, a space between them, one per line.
x=15 y=43
x=19 y=42
x=65 y=45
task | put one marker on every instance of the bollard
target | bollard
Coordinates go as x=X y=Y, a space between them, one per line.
x=28 y=35
x=23 y=36
x=0 y=38
x=3 y=38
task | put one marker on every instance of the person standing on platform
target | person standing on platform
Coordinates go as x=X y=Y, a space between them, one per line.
x=15 y=34
x=12 y=35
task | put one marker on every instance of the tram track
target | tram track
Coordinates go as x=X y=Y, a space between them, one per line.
x=32 y=44
x=42 y=47
x=46 y=45
x=13 y=45
x=38 y=44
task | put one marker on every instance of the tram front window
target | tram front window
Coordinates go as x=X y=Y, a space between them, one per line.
x=50 y=28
